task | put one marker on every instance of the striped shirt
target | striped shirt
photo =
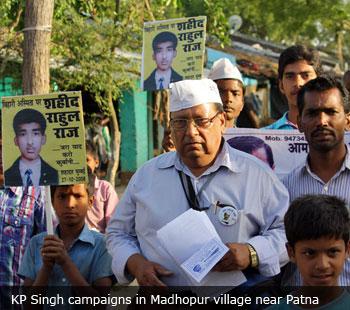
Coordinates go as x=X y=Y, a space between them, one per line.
x=303 y=181
x=21 y=216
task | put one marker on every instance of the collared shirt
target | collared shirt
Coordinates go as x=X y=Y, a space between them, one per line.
x=155 y=196
x=303 y=181
x=105 y=202
x=21 y=216
x=282 y=123
x=36 y=172
x=88 y=252
x=165 y=79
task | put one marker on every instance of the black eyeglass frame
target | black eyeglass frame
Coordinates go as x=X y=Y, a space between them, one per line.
x=207 y=120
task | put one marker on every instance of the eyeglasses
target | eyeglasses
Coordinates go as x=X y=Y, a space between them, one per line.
x=183 y=123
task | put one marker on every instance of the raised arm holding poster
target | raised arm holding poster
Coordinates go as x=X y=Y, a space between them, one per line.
x=176 y=48
x=43 y=140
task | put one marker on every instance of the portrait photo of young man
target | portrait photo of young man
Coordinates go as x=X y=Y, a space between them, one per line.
x=164 y=51
x=29 y=169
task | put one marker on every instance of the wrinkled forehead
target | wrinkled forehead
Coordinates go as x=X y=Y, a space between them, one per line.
x=323 y=99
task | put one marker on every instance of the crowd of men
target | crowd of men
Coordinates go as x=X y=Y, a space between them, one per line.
x=241 y=195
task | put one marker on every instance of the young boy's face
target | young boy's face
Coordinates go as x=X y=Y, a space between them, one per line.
x=319 y=261
x=231 y=93
x=164 y=55
x=92 y=162
x=29 y=140
x=71 y=204
x=295 y=75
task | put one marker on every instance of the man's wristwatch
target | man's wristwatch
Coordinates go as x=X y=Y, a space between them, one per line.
x=254 y=260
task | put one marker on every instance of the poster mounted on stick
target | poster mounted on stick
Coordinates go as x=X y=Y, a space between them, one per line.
x=43 y=141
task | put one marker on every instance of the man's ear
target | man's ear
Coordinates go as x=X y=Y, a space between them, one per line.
x=347 y=120
x=300 y=127
x=291 y=253
x=223 y=121
x=15 y=140
x=175 y=52
x=347 y=249
x=153 y=56
x=280 y=85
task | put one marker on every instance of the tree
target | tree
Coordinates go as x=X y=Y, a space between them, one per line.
x=36 y=47
x=90 y=39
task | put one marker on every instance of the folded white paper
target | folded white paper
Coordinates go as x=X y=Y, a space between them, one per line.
x=189 y=241
x=201 y=262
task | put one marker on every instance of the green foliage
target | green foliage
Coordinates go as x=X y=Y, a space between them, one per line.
x=86 y=33
x=11 y=38
x=85 y=37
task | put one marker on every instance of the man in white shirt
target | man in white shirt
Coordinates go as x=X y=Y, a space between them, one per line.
x=241 y=196
x=324 y=108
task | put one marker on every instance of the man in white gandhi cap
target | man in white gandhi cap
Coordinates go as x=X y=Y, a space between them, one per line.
x=241 y=196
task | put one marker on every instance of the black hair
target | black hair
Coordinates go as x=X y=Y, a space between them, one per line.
x=162 y=37
x=312 y=217
x=90 y=185
x=91 y=149
x=295 y=53
x=321 y=84
x=248 y=144
x=346 y=78
x=27 y=116
x=346 y=75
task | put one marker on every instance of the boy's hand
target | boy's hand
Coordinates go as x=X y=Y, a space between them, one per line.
x=53 y=250
x=48 y=262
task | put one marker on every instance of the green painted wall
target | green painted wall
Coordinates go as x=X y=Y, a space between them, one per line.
x=6 y=88
x=134 y=130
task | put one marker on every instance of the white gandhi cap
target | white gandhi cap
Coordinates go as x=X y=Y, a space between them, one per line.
x=224 y=69
x=189 y=93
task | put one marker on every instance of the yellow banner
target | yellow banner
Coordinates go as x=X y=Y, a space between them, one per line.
x=173 y=50
x=43 y=140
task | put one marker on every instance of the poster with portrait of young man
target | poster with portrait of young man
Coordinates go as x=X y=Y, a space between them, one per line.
x=173 y=50
x=43 y=140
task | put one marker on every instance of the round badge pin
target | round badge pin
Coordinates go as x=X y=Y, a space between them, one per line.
x=228 y=215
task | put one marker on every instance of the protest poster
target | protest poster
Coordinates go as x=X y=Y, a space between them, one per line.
x=43 y=140
x=173 y=50
x=288 y=148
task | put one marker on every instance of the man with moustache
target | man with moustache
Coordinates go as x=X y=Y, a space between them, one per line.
x=323 y=105
x=207 y=175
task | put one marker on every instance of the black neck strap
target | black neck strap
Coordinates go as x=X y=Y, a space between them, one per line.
x=191 y=196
